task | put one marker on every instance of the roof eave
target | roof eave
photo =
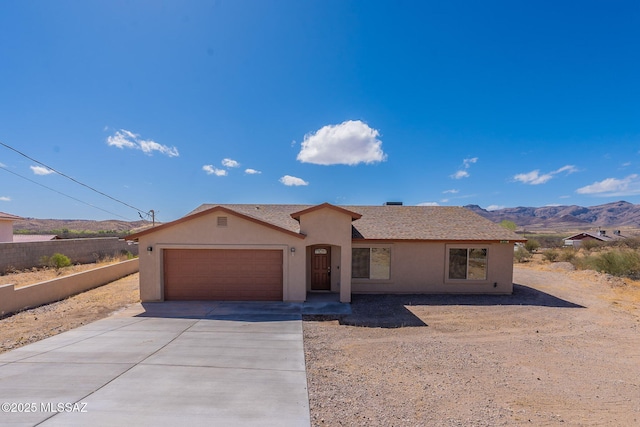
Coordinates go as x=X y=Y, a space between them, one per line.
x=136 y=236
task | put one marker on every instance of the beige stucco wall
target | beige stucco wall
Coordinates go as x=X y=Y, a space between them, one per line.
x=6 y=230
x=416 y=267
x=331 y=227
x=204 y=233
x=420 y=267
x=14 y=299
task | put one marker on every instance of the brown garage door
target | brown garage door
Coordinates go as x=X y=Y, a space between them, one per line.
x=223 y=274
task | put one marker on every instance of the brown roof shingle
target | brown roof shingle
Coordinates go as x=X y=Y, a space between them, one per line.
x=9 y=216
x=442 y=223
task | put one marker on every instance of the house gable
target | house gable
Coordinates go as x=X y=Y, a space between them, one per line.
x=221 y=210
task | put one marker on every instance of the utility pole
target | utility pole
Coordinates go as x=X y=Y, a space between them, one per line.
x=153 y=217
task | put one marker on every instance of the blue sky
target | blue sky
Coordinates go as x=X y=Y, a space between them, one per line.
x=165 y=105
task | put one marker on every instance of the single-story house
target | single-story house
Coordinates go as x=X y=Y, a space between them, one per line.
x=600 y=236
x=282 y=252
x=6 y=226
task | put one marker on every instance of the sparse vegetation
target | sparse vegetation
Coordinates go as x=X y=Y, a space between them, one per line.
x=567 y=254
x=621 y=263
x=56 y=261
x=521 y=254
x=551 y=255
x=591 y=244
x=509 y=225
x=531 y=245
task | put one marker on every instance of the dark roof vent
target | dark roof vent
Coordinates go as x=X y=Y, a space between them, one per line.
x=393 y=204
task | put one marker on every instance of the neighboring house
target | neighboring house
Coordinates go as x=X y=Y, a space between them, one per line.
x=22 y=238
x=281 y=252
x=601 y=236
x=6 y=226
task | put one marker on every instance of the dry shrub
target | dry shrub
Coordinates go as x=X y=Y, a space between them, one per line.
x=620 y=263
x=551 y=255
x=567 y=255
x=522 y=255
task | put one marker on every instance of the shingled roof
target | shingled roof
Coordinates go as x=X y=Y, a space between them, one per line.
x=440 y=223
x=9 y=216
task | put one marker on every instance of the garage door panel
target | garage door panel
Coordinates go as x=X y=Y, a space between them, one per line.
x=223 y=274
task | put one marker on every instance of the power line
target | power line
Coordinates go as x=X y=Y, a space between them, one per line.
x=72 y=179
x=66 y=195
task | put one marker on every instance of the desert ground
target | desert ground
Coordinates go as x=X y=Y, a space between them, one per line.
x=564 y=349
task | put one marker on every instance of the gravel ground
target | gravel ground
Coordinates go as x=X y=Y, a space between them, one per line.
x=564 y=349
x=41 y=322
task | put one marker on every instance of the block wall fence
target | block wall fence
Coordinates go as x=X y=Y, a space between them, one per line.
x=23 y=255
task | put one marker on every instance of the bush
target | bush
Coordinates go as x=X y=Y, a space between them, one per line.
x=521 y=254
x=567 y=255
x=56 y=261
x=590 y=244
x=551 y=255
x=531 y=245
x=621 y=263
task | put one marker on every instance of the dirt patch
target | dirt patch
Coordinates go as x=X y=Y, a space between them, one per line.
x=37 y=275
x=562 y=350
x=38 y=323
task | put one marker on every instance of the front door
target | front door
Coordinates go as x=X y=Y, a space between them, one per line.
x=321 y=268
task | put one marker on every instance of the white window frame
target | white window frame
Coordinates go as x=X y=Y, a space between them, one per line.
x=370 y=247
x=467 y=247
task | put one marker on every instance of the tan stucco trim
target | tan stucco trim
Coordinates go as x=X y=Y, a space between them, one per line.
x=136 y=236
x=354 y=215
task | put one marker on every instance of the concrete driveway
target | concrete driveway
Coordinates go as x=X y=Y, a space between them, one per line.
x=164 y=364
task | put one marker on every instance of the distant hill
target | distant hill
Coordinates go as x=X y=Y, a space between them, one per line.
x=616 y=214
x=77 y=227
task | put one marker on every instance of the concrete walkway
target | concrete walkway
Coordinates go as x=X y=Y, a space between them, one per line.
x=164 y=364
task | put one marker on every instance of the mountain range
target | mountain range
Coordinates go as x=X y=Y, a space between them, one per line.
x=616 y=214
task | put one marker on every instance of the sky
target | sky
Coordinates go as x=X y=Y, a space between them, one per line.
x=110 y=109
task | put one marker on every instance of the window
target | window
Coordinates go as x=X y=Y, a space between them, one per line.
x=468 y=263
x=371 y=263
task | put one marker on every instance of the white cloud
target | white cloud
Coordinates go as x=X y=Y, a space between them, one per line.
x=5 y=199
x=452 y=191
x=429 y=204
x=466 y=164
x=252 y=172
x=460 y=174
x=126 y=139
x=613 y=187
x=229 y=163
x=535 y=178
x=494 y=207
x=293 y=181
x=569 y=169
x=41 y=170
x=349 y=143
x=210 y=170
x=148 y=147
